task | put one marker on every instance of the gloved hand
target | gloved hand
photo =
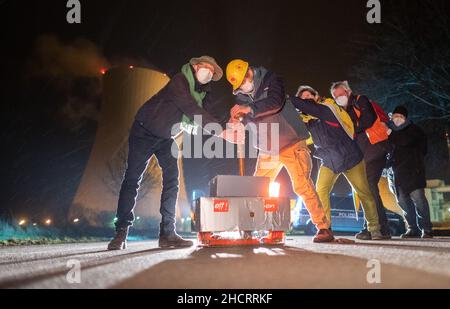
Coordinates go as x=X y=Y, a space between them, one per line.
x=240 y=111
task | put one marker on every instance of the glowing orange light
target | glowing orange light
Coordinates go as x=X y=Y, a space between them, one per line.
x=274 y=189
x=103 y=71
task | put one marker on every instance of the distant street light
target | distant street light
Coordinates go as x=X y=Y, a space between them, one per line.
x=22 y=222
x=48 y=221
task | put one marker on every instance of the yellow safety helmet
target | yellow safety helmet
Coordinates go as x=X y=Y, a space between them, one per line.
x=236 y=71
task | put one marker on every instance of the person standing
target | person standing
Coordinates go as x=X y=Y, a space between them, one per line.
x=332 y=133
x=407 y=158
x=185 y=96
x=372 y=139
x=261 y=101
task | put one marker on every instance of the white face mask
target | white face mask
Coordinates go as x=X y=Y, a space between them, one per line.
x=342 y=101
x=248 y=87
x=398 y=121
x=204 y=76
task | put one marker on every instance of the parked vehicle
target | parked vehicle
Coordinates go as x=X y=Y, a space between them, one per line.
x=343 y=219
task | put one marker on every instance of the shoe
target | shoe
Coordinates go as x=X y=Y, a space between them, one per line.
x=174 y=241
x=324 y=236
x=410 y=234
x=364 y=235
x=386 y=234
x=119 y=242
x=427 y=235
x=377 y=236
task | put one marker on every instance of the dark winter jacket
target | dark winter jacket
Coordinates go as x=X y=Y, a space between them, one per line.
x=334 y=147
x=366 y=121
x=165 y=109
x=269 y=105
x=407 y=158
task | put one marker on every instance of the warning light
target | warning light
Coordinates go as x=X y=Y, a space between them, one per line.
x=103 y=71
x=274 y=189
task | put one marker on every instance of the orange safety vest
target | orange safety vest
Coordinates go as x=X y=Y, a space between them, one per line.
x=379 y=131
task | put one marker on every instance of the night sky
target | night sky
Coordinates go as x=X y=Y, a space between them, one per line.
x=302 y=40
x=49 y=118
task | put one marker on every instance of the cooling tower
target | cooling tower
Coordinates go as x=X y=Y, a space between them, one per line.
x=125 y=90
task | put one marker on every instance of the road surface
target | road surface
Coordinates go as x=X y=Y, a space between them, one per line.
x=299 y=264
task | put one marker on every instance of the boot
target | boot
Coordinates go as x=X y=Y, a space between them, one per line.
x=377 y=236
x=119 y=241
x=174 y=241
x=410 y=233
x=364 y=235
x=386 y=233
x=324 y=236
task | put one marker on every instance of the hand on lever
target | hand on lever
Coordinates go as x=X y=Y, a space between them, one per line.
x=239 y=111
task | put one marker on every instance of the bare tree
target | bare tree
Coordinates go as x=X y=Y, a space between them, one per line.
x=407 y=60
